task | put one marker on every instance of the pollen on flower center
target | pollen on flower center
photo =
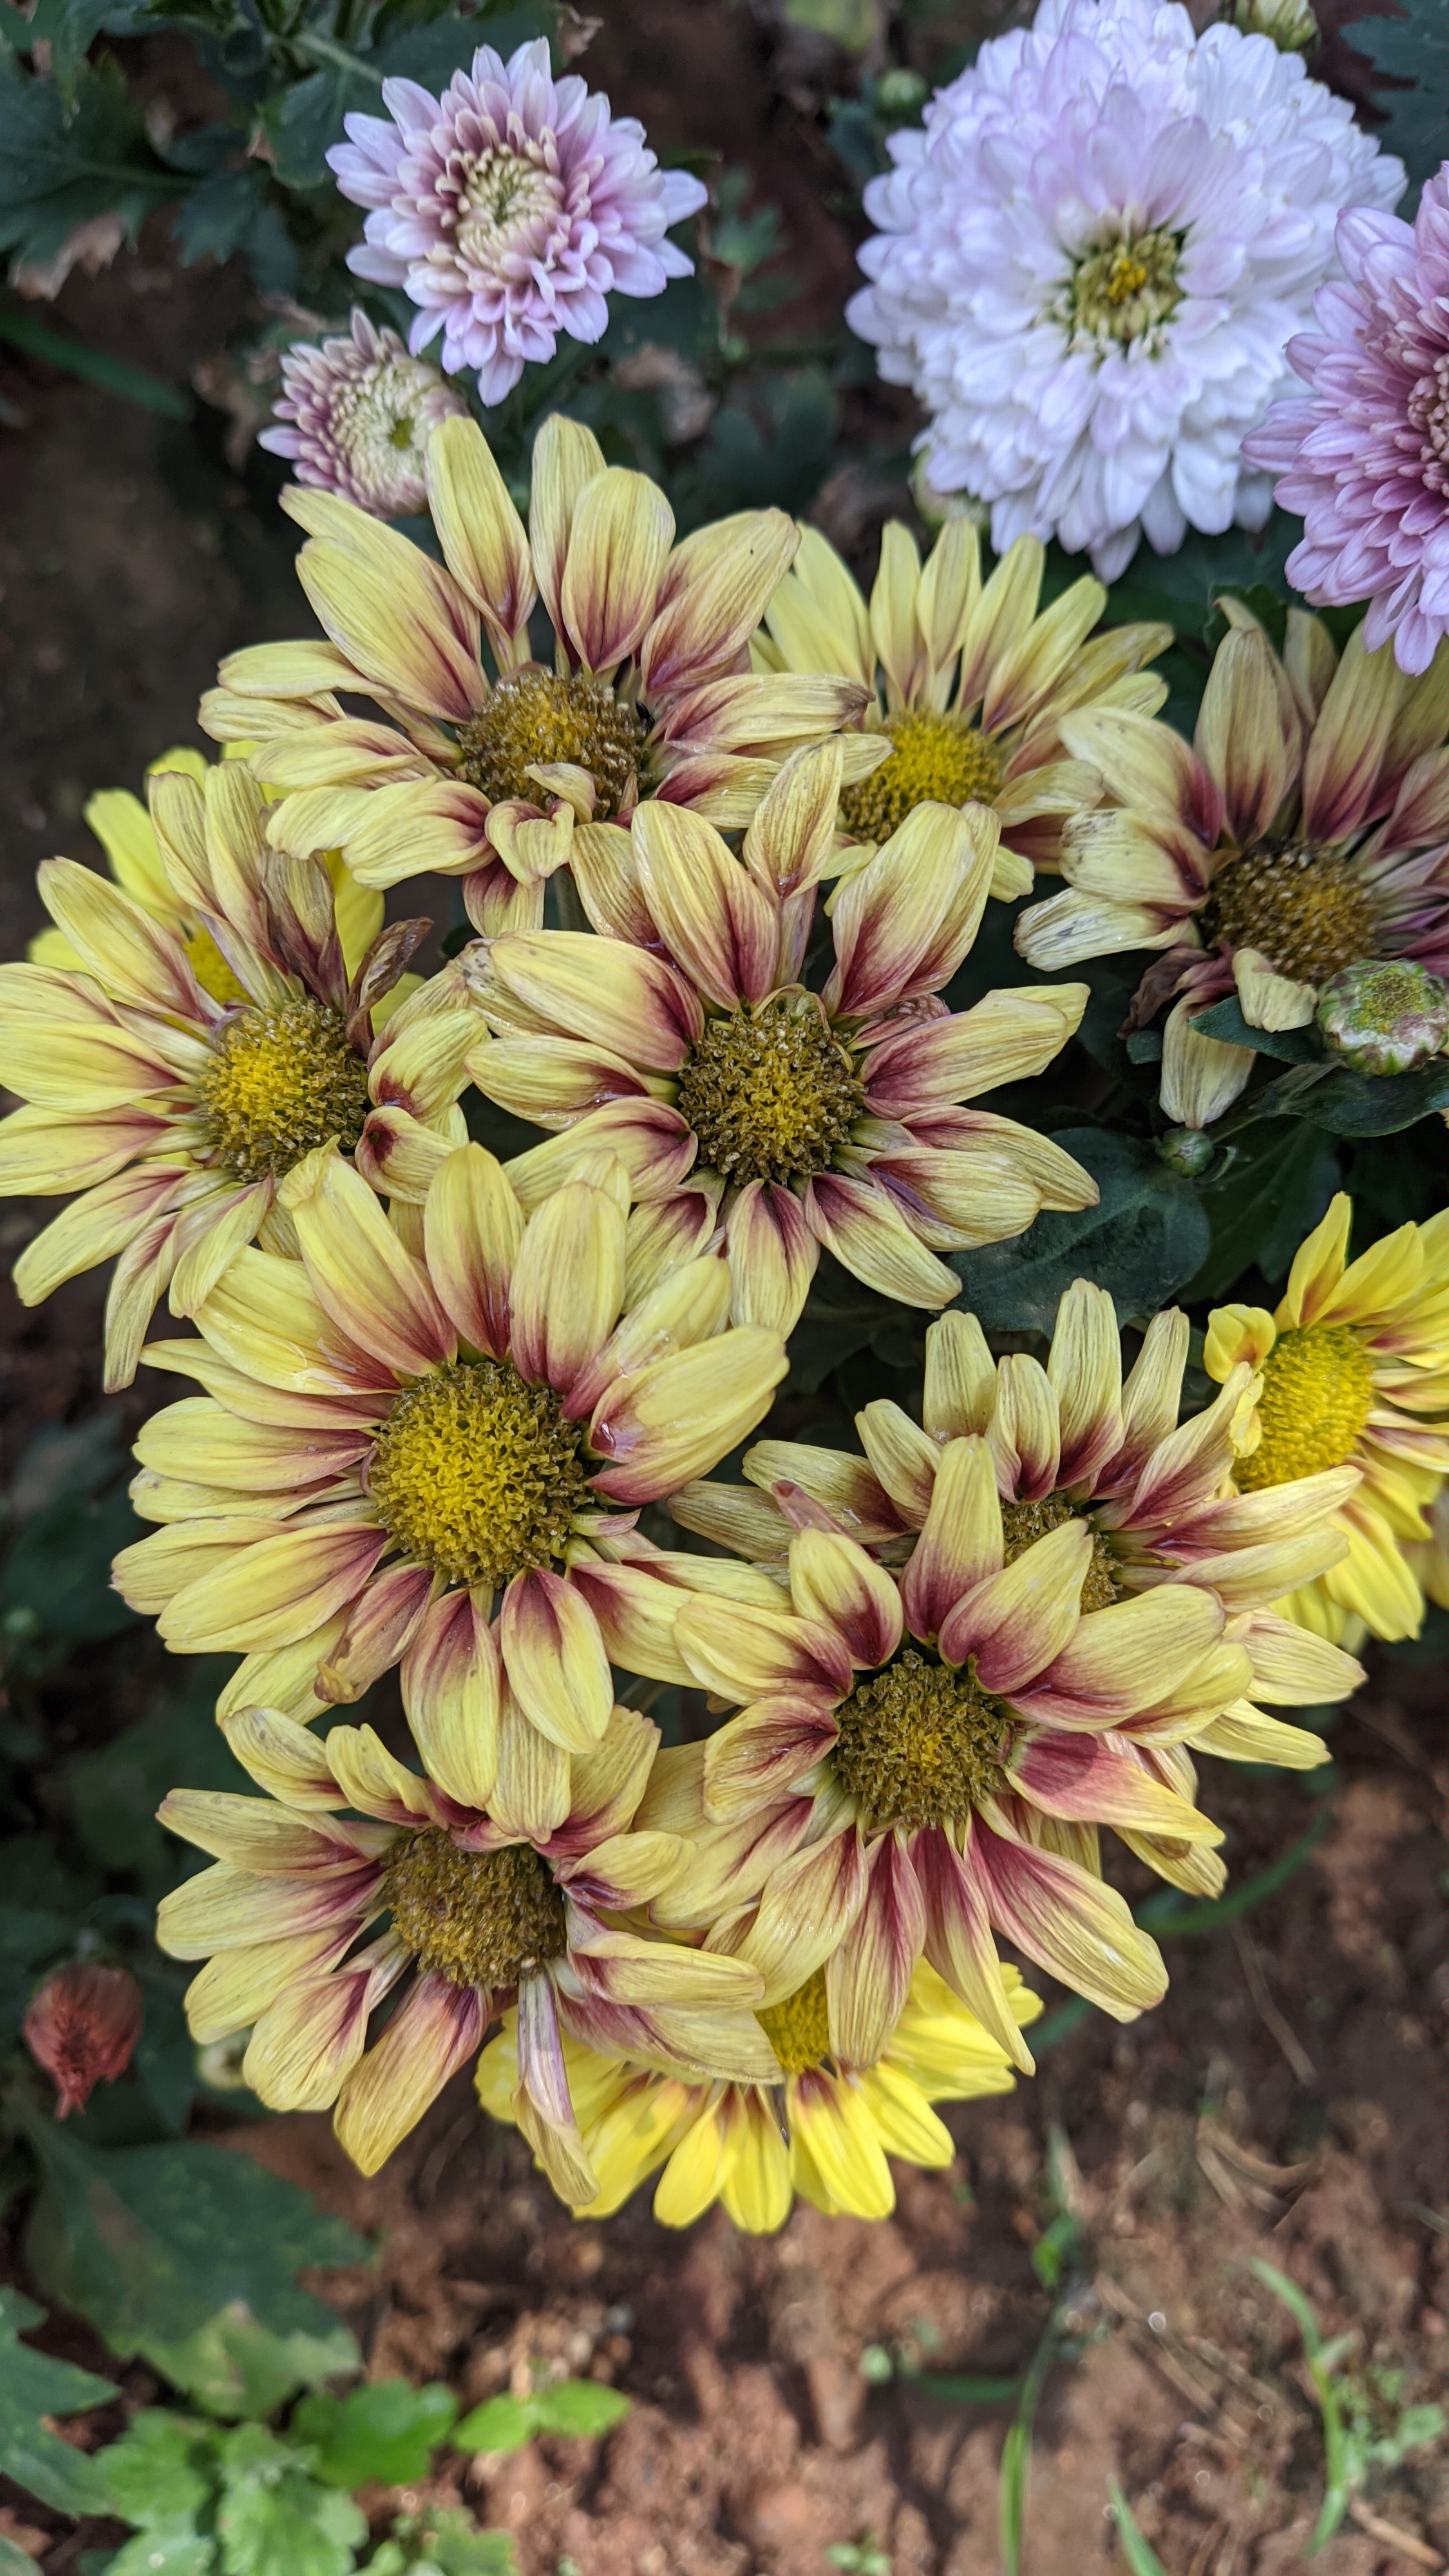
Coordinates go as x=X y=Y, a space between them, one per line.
x=477 y=1474
x=919 y=1744
x=504 y=195
x=1318 y=1386
x=281 y=1082
x=934 y=759
x=480 y=1918
x=798 y=2029
x=770 y=1091
x=1302 y=905
x=533 y=716
x=1022 y=1524
x=1124 y=289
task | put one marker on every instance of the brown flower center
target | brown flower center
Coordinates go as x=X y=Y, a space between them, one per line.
x=1303 y=905
x=533 y=716
x=919 y=1744
x=770 y=1090
x=281 y=1082
x=479 y=1918
x=1022 y=1524
x=1318 y=1386
x=798 y=2029
x=934 y=759
x=477 y=1473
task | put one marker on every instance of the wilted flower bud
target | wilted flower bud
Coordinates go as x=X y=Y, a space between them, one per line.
x=1385 y=1016
x=81 y=2027
x=1291 y=23
x=1186 y=1150
x=359 y=413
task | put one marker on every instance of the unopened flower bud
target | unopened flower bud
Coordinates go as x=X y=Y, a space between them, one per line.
x=1186 y=1150
x=900 y=91
x=82 y=2026
x=356 y=415
x=1385 y=1016
x=1290 y=23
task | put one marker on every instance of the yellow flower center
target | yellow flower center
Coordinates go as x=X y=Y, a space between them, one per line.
x=770 y=1090
x=1318 y=1385
x=934 y=759
x=798 y=2029
x=480 y=1918
x=1022 y=1524
x=919 y=1744
x=532 y=716
x=211 y=969
x=1302 y=905
x=505 y=193
x=477 y=1474
x=281 y=1082
x=1123 y=290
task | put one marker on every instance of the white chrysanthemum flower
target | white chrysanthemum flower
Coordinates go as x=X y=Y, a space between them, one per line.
x=1089 y=263
x=356 y=414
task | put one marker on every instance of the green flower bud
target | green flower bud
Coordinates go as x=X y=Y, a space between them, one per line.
x=900 y=92
x=1186 y=1150
x=1291 y=23
x=1384 y=1015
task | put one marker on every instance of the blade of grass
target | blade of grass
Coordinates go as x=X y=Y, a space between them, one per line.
x=1140 y=2555
x=965 y=2390
x=1335 y=2438
x=112 y=375
x=1016 y=2455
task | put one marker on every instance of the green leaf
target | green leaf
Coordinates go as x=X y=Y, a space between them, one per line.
x=304 y=120
x=95 y=367
x=57 y=1569
x=580 y=2406
x=114 y=1791
x=69 y=27
x=1225 y=1020
x=175 y=2549
x=386 y=2430
x=1413 y=45
x=162 y=2470
x=189 y=2254
x=15 y=2561
x=841 y=1315
x=499 y=2424
x=1147 y=1234
x=33 y=2384
x=1140 y=2556
x=967 y=2388
x=435 y=2543
x=1277 y=1184
x=1355 y=1104
x=272 y=2516
x=28 y=1940
x=56 y=172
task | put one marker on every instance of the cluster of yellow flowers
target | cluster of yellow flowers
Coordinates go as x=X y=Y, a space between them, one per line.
x=450 y=1407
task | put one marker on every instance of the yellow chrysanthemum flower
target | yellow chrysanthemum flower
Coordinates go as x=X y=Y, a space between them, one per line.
x=390 y=1444
x=966 y=682
x=843 y=1113
x=822 y=2127
x=488 y=775
x=483 y=1909
x=203 y=1042
x=1355 y=1370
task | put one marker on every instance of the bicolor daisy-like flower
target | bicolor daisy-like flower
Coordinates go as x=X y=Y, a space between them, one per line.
x=392 y=1444
x=1365 y=455
x=961 y=1780
x=1089 y=262
x=1354 y=1365
x=822 y=2127
x=356 y=414
x=647 y=694
x=967 y=683
x=1306 y=828
x=509 y=210
x=481 y=1907
x=203 y=1046
x=736 y=1091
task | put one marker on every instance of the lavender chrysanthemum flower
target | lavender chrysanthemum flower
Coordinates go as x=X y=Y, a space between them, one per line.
x=1089 y=262
x=356 y=415
x=1365 y=457
x=510 y=209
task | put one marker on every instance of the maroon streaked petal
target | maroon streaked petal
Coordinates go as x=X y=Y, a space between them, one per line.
x=1018 y=1621
x=759 y=1755
x=438 y=2027
x=378 y=1631
x=1071 y=1924
x=773 y=1256
x=832 y=1579
x=868 y=1978
x=961 y=1544
x=958 y=1938
x=721 y=928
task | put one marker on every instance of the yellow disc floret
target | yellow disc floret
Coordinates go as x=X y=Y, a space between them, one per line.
x=1022 y=1524
x=798 y=2029
x=480 y=1918
x=1122 y=291
x=533 y=716
x=934 y=759
x=770 y=1091
x=1318 y=1387
x=920 y=1744
x=477 y=1474
x=1302 y=906
x=281 y=1082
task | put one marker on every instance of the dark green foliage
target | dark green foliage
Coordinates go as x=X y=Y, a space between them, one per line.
x=573 y=2407
x=385 y=2431
x=1147 y=1234
x=32 y=2384
x=1271 y=1190
x=1410 y=47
